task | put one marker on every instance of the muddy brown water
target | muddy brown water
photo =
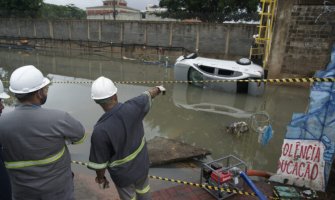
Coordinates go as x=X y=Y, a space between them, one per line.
x=189 y=114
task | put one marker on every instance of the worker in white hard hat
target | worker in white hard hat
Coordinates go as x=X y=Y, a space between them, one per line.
x=5 y=189
x=3 y=95
x=118 y=143
x=34 y=141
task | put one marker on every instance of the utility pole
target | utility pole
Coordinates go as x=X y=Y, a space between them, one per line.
x=114 y=10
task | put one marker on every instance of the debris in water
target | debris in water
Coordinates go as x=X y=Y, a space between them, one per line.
x=237 y=128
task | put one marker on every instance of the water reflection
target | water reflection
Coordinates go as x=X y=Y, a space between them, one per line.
x=194 y=98
x=186 y=113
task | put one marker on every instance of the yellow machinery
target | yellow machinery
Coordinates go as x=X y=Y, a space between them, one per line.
x=262 y=41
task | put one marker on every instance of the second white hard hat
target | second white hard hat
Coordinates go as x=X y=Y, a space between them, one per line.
x=27 y=79
x=3 y=94
x=102 y=88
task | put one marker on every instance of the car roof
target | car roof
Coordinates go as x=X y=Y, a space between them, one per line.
x=222 y=64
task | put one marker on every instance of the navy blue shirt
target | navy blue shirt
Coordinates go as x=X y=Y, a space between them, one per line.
x=118 y=134
x=5 y=188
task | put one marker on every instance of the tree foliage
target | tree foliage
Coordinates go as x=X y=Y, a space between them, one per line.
x=211 y=10
x=38 y=9
x=20 y=8
x=51 y=11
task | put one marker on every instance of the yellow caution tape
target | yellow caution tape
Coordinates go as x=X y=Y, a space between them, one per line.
x=228 y=190
x=79 y=163
x=282 y=80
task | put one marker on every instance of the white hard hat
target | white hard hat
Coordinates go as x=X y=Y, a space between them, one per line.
x=3 y=94
x=27 y=79
x=103 y=88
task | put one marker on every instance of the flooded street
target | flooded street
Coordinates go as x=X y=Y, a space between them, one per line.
x=186 y=113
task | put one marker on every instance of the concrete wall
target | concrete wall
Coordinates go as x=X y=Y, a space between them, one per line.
x=146 y=16
x=302 y=38
x=120 y=16
x=218 y=40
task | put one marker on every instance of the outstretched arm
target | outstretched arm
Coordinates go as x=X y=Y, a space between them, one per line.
x=156 y=91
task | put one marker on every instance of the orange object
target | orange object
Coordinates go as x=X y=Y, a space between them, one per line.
x=251 y=172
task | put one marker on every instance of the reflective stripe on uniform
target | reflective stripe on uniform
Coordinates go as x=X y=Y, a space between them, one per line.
x=81 y=140
x=144 y=190
x=130 y=157
x=30 y=163
x=134 y=198
x=93 y=165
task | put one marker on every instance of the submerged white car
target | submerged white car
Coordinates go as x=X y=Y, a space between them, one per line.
x=200 y=71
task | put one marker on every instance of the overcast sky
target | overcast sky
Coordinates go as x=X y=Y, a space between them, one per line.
x=138 y=4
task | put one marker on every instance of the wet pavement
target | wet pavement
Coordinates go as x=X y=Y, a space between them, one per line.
x=87 y=189
x=182 y=192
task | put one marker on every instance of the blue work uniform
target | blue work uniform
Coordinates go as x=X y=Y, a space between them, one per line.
x=118 y=143
x=5 y=189
x=35 y=152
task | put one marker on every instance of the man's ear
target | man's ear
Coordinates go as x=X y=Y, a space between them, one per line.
x=114 y=97
x=39 y=93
